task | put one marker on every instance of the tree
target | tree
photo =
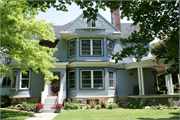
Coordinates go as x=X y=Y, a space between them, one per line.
x=157 y=19
x=18 y=25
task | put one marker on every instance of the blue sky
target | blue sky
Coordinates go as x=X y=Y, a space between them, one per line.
x=61 y=18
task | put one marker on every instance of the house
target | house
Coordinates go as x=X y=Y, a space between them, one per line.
x=85 y=68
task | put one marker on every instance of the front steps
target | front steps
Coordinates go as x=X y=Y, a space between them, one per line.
x=50 y=104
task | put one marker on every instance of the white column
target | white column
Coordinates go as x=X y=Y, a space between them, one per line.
x=157 y=82
x=167 y=81
x=178 y=78
x=139 y=81
x=142 y=80
x=171 y=84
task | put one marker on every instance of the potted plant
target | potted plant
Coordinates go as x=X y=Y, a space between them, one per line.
x=58 y=108
x=39 y=107
x=136 y=90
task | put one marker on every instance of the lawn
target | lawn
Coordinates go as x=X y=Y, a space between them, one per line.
x=8 y=114
x=118 y=114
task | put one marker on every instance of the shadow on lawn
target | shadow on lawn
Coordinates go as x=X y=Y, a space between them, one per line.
x=176 y=116
x=5 y=114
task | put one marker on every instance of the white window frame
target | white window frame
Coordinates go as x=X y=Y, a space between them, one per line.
x=92 y=80
x=74 y=79
x=24 y=79
x=13 y=79
x=69 y=48
x=113 y=79
x=6 y=81
x=110 y=48
x=91 y=47
x=91 y=26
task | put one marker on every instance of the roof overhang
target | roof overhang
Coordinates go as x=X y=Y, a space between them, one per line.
x=60 y=64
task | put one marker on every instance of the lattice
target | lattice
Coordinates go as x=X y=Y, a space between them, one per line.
x=159 y=100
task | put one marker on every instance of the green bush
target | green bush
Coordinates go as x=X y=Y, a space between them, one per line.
x=75 y=106
x=27 y=105
x=103 y=102
x=134 y=105
x=87 y=106
x=98 y=106
x=5 y=101
x=112 y=105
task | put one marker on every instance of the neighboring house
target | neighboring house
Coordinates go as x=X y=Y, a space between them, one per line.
x=85 y=68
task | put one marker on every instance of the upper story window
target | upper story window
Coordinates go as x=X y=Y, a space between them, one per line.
x=13 y=82
x=71 y=79
x=25 y=80
x=91 y=23
x=72 y=48
x=6 y=81
x=92 y=79
x=110 y=47
x=91 y=47
x=111 y=79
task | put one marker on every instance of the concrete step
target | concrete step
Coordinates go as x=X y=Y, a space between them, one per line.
x=48 y=110
x=52 y=97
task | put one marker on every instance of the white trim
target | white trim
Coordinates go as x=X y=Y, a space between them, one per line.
x=142 y=80
x=24 y=79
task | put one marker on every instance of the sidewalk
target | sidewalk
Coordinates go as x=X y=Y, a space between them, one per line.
x=43 y=116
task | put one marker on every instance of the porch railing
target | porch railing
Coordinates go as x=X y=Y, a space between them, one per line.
x=60 y=95
x=44 y=94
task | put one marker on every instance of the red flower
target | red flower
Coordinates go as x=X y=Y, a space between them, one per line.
x=39 y=105
x=59 y=106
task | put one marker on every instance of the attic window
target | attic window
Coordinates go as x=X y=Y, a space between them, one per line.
x=91 y=23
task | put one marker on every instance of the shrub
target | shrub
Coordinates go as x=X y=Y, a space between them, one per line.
x=93 y=103
x=87 y=106
x=103 y=102
x=98 y=106
x=170 y=100
x=134 y=104
x=75 y=106
x=5 y=101
x=67 y=105
x=27 y=105
x=112 y=105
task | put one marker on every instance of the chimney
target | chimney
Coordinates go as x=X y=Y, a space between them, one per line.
x=115 y=19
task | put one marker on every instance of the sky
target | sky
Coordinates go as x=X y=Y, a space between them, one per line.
x=61 y=18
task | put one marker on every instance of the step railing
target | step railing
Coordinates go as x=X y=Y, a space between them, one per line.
x=44 y=94
x=60 y=95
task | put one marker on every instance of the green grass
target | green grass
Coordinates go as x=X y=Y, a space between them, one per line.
x=117 y=114
x=8 y=114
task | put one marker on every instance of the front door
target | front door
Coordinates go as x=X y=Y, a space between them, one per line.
x=55 y=85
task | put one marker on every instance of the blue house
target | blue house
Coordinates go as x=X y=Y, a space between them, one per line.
x=85 y=69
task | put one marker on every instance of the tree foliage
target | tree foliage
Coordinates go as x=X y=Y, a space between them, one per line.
x=20 y=34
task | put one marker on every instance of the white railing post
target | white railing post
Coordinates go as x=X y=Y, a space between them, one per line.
x=60 y=95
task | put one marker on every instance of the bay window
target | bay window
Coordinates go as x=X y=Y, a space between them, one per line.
x=6 y=81
x=25 y=80
x=91 y=47
x=72 y=46
x=92 y=79
x=71 y=79
x=111 y=79
x=110 y=47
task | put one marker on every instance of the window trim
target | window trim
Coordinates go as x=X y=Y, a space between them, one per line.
x=90 y=23
x=74 y=79
x=6 y=82
x=91 y=46
x=92 y=84
x=13 y=79
x=69 y=48
x=108 y=47
x=113 y=79
x=20 y=83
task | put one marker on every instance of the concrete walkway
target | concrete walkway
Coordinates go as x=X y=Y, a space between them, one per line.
x=43 y=116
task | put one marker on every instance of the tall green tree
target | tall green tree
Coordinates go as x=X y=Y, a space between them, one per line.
x=20 y=34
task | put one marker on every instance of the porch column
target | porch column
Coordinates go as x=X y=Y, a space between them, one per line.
x=142 y=80
x=171 y=85
x=139 y=81
x=178 y=78
x=157 y=82
x=169 y=82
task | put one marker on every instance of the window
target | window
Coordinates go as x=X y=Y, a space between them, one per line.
x=6 y=81
x=91 y=47
x=71 y=80
x=110 y=47
x=92 y=79
x=91 y=23
x=13 y=82
x=72 y=47
x=25 y=79
x=111 y=79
